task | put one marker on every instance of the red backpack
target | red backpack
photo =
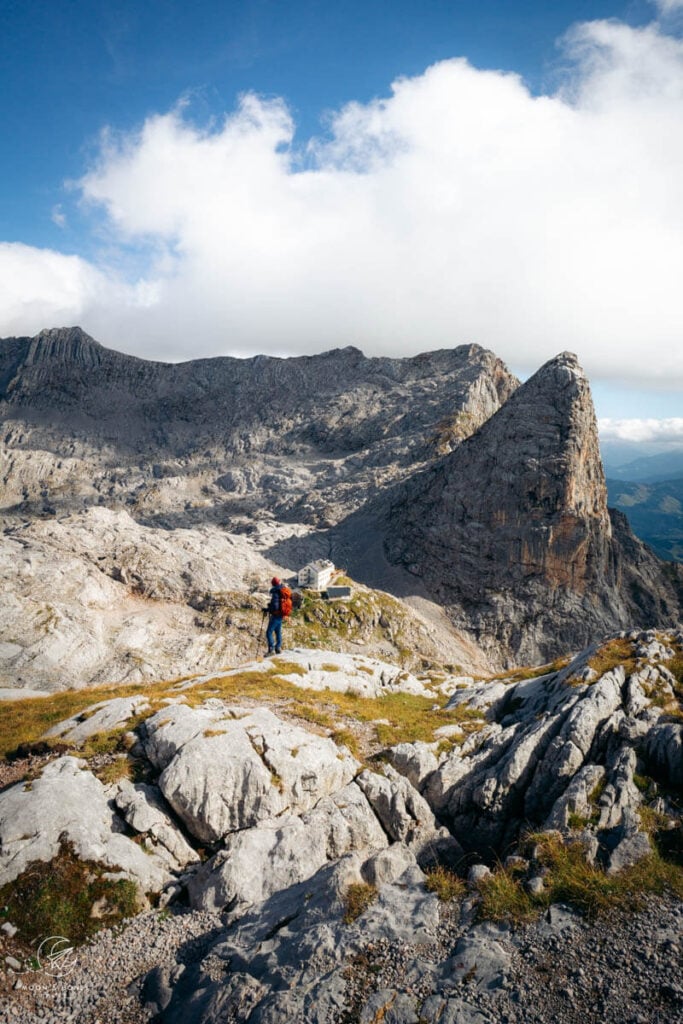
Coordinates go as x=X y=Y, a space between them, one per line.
x=285 y=601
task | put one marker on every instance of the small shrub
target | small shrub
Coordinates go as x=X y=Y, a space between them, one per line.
x=503 y=898
x=445 y=884
x=359 y=896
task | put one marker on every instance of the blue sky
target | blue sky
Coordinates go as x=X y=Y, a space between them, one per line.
x=143 y=199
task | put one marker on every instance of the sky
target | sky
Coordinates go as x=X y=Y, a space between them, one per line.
x=209 y=178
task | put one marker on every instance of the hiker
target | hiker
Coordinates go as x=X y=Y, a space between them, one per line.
x=279 y=607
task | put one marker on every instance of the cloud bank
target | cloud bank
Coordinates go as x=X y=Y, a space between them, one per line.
x=665 y=431
x=461 y=208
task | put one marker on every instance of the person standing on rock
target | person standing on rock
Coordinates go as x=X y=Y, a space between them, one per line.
x=279 y=607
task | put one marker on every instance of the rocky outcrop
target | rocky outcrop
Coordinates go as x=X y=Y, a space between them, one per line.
x=573 y=750
x=96 y=597
x=511 y=532
x=316 y=863
x=66 y=803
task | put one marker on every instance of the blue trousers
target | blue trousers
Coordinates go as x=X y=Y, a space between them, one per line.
x=274 y=632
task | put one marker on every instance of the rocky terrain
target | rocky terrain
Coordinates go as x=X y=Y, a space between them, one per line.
x=512 y=533
x=372 y=826
x=303 y=822
x=162 y=498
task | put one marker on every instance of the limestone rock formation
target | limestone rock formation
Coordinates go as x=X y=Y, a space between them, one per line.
x=68 y=804
x=512 y=533
x=563 y=750
x=215 y=438
x=316 y=863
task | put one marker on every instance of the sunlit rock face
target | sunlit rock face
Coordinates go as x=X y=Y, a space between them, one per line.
x=512 y=532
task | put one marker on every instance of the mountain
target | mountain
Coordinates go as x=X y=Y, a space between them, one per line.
x=647 y=468
x=654 y=511
x=478 y=502
x=309 y=437
x=512 y=534
x=145 y=505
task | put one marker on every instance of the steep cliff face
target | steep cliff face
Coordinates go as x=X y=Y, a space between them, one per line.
x=512 y=531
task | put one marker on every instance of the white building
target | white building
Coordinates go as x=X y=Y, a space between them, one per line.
x=316 y=575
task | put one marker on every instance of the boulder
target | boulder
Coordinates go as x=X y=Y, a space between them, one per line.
x=144 y=809
x=281 y=852
x=102 y=717
x=226 y=769
x=67 y=803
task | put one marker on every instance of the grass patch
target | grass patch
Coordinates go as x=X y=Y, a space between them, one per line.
x=504 y=898
x=345 y=738
x=58 y=898
x=619 y=651
x=123 y=767
x=445 y=883
x=359 y=896
x=288 y=668
x=328 y=666
x=25 y=721
x=410 y=717
x=215 y=732
x=519 y=675
x=571 y=879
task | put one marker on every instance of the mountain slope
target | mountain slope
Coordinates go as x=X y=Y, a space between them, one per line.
x=512 y=532
x=655 y=512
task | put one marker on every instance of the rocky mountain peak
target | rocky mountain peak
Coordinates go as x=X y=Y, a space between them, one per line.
x=64 y=345
x=512 y=528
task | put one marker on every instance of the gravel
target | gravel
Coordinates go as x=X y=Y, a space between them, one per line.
x=623 y=969
x=104 y=984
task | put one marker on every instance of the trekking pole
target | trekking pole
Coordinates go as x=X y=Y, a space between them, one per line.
x=259 y=636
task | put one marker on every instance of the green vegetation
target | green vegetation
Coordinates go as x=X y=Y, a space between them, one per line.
x=571 y=879
x=345 y=738
x=122 y=767
x=619 y=651
x=519 y=675
x=359 y=896
x=445 y=883
x=369 y=616
x=58 y=898
x=395 y=717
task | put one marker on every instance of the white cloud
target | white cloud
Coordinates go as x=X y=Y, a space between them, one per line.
x=666 y=431
x=668 y=6
x=460 y=208
x=58 y=216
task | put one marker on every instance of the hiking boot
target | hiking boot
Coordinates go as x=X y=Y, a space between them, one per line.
x=270 y=652
x=278 y=650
